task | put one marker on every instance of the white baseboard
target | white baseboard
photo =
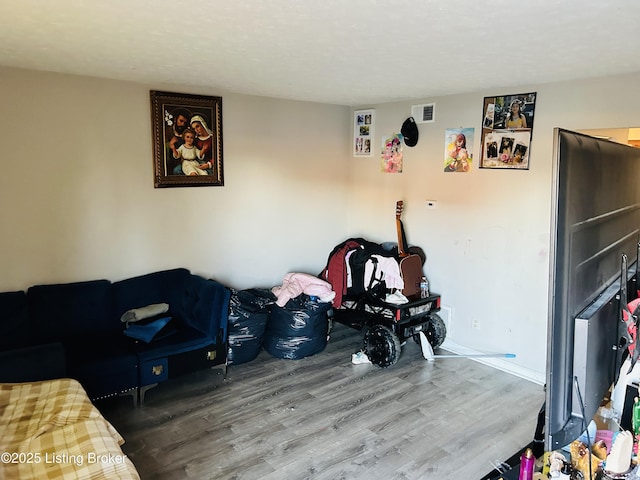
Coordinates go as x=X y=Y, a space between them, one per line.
x=502 y=364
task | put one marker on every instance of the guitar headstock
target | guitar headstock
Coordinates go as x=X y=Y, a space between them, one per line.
x=399 y=208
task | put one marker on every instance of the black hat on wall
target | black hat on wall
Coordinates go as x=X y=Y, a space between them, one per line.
x=409 y=131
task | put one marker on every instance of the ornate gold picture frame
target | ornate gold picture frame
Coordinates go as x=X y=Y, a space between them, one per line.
x=187 y=140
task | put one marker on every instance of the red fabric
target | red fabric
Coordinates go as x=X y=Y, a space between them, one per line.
x=336 y=270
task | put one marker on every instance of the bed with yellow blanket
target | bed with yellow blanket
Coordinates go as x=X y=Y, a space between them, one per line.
x=51 y=430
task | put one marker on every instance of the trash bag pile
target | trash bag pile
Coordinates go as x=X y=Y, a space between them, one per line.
x=249 y=312
x=299 y=329
x=290 y=321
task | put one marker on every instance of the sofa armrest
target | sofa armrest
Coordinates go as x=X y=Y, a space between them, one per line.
x=32 y=364
x=206 y=306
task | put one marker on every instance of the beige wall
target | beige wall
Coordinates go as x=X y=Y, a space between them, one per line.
x=488 y=240
x=78 y=201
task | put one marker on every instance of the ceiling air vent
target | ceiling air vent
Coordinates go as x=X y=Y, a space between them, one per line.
x=423 y=113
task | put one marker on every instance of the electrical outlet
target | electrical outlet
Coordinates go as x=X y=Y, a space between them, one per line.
x=475 y=323
x=431 y=204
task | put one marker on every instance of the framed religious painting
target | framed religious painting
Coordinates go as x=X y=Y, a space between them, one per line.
x=507 y=130
x=187 y=140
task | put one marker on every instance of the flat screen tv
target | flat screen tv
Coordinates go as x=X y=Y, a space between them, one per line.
x=593 y=263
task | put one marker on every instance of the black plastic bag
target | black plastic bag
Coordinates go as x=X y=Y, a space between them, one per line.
x=299 y=329
x=249 y=312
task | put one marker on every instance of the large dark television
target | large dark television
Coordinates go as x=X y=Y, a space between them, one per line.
x=593 y=263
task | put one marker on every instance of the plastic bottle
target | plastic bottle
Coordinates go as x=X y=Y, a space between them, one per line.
x=424 y=287
x=527 y=461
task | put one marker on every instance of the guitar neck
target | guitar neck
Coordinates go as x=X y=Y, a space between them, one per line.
x=402 y=248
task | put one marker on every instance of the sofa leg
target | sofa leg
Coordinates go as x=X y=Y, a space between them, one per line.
x=134 y=395
x=143 y=390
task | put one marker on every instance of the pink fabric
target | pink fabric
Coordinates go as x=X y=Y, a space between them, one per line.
x=295 y=284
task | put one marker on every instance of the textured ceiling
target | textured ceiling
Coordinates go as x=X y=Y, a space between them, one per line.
x=348 y=52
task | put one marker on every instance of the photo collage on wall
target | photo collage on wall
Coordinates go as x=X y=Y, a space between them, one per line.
x=505 y=142
x=507 y=129
x=363 y=133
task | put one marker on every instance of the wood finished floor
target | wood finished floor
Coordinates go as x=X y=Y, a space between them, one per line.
x=322 y=417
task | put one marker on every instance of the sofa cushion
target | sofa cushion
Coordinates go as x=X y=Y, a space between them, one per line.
x=33 y=363
x=148 y=332
x=205 y=306
x=80 y=309
x=14 y=324
x=166 y=286
x=201 y=303
x=184 y=339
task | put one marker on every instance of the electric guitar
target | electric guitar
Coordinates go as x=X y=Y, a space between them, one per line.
x=410 y=263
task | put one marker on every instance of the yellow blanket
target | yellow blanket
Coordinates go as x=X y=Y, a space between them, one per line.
x=51 y=430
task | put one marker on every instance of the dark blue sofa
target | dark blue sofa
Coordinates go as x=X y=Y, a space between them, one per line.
x=74 y=330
